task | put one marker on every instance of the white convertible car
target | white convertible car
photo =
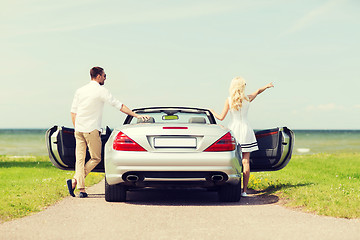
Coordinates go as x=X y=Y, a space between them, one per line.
x=176 y=147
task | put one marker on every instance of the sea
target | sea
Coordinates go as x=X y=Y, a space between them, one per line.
x=31 y=142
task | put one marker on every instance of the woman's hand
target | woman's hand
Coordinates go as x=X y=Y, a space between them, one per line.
x=270 y=85
x=143 y=117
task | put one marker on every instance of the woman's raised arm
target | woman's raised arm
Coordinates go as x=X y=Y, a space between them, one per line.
x=260 y=90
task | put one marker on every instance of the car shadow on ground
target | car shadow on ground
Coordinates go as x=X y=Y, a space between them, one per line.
x=96 y=195
x=193 y=197
x=199 y=196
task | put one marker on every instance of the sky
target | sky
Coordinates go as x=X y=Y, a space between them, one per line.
x=182 y=53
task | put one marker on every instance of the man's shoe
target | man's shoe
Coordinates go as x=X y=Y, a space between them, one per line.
x=83 y=195
x=243 y=194
x=69 y=185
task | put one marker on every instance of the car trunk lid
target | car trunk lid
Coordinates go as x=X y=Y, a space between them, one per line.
x=175 y=138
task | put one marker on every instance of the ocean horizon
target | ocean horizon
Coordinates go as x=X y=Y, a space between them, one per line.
x=31 y=141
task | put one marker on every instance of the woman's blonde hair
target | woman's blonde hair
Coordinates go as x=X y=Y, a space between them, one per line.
x=237 y=93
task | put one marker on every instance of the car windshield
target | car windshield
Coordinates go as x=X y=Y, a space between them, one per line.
x=174 y=117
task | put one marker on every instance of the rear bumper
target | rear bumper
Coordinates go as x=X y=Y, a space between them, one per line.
x=147 y=169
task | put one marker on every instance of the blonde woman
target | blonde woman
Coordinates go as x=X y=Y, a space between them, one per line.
x=238 y=103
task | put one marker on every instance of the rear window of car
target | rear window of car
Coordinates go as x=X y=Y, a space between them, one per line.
x=180 y=117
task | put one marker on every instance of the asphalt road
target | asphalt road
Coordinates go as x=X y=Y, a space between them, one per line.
x=180 y=214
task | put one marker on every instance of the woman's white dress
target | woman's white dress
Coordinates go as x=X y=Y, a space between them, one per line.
x=241 y=128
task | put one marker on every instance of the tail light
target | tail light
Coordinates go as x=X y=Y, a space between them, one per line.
x=225 y=143
x=123 y=143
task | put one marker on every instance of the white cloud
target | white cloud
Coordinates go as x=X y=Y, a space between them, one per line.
x=313 y=15
x=325 y=107
x=119 y=13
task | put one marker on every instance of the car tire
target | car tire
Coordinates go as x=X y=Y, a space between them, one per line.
x=230 y=192
x=115 y=193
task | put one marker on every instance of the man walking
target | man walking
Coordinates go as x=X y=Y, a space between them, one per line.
x=86 y=115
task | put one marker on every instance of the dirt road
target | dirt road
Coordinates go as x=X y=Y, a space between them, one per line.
x=170 y=214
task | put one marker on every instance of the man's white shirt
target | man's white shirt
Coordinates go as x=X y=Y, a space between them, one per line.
x=88 y=104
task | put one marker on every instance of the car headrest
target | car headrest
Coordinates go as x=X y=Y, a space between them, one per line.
x=197 y=120
x=150 y=120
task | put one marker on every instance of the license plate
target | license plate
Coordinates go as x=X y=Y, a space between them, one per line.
x=175 y=142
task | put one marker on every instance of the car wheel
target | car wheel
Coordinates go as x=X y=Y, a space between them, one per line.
x=230 y=192
x=115 y=193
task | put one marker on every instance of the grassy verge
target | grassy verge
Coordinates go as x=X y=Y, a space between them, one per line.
x=29 y=184
x=325 y=184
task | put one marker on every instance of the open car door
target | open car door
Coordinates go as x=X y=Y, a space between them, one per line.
x=275 y=149
x=60 y=143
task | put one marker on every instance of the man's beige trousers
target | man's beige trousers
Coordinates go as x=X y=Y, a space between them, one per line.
x=84 y=140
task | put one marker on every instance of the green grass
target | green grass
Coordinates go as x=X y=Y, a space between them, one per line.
x=30 y=184
x=325 y=184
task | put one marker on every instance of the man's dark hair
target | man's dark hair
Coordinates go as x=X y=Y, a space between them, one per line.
x=95 y=71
